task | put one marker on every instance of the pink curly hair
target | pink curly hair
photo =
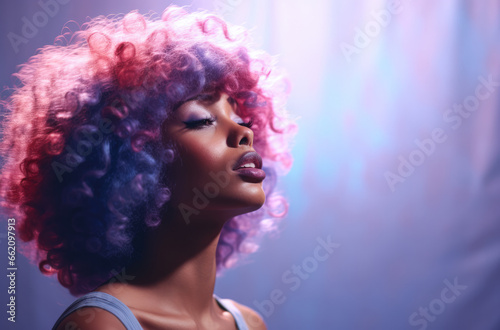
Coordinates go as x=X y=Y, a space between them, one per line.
x=82 y=152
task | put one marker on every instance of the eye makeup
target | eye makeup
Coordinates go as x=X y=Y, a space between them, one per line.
x=200 y=123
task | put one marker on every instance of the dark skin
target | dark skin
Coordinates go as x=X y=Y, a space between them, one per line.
x=173 y=285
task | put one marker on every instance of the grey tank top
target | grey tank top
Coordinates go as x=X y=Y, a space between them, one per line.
x=125 y=315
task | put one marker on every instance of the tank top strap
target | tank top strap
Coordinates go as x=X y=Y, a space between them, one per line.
x=125 y=315
x=228 y=305
x=106 y=302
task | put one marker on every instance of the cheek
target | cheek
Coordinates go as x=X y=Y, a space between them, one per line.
x=205 y=165
x=200 y=157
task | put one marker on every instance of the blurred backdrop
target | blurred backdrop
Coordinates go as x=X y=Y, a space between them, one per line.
x=395 y=190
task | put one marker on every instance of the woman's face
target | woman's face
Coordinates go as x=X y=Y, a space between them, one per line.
x=216 y=170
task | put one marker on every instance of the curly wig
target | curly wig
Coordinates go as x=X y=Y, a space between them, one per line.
x=82 y=148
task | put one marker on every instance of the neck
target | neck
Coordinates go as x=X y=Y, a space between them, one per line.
x=179 y=263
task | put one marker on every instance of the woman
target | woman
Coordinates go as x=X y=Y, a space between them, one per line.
x=134 y=162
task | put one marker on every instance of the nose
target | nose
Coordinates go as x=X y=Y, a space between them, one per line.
x=240 y=136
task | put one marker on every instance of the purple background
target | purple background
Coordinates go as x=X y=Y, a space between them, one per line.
x=359 y=116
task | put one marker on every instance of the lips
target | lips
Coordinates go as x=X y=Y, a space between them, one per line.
x=249 y=167
x=250 y=157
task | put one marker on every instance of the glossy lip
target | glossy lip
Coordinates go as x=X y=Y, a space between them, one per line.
x=250 y=174
x=249 y=157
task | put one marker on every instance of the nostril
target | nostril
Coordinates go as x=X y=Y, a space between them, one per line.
x=244 y=141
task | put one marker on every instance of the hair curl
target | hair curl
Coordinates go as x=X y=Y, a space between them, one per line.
x=82 y=148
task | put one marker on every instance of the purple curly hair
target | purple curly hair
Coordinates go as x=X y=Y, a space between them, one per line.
x=82 y=148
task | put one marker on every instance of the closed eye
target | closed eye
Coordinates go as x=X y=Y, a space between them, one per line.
x=200 y=123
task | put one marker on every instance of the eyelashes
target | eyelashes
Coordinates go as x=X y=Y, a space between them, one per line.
x=248 y=124
x=200 y=123
x=209 y=121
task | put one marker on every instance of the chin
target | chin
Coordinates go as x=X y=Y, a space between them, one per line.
x=254 y=197
x=254 y=207
x=244 y=200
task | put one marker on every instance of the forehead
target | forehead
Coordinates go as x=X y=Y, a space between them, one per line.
x=223 y=104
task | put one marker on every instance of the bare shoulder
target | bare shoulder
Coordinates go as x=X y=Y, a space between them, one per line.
x=91 y=318
x=252 y=318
